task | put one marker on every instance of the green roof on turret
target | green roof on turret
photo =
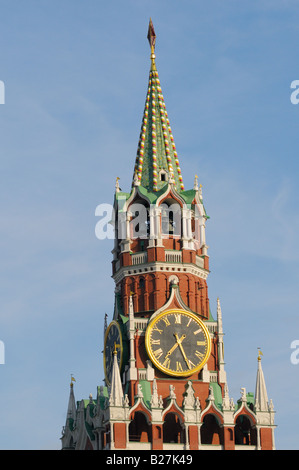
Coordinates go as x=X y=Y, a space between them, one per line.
x=188 y=195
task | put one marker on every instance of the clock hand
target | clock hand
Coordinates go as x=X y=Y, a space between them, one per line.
x=171 y=350
x=175 y=345
x=179 y=341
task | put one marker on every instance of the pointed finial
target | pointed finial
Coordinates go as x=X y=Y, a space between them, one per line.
x=115 y=348
x=72 y=380
x=117 y=188
x=259 y=354
x=195 y=187
x=151 y=36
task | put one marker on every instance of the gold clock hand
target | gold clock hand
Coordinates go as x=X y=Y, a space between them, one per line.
x=182 y=349
x=175 y=345
x=179 y=340
x=171 y=350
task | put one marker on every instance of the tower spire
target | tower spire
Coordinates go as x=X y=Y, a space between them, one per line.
x=116 y=391
x=157 y=159
x=261 y=396
x=71 y=410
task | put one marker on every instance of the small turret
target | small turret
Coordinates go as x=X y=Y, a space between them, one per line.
x=261 y=396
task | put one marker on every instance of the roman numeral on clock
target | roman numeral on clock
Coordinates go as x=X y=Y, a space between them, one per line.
x=156 y=341
x=158 y=353
x=197 y=331
x=199 y=355
x=166 y=363
x=155 y=328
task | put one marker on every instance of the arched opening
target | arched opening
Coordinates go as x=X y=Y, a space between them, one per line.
x=173 y=431
x=245 y=433
x=140 y=221
x=171 y=218
x=210 y=431
x=141 y=292
x=139 y=429
x=151 y=291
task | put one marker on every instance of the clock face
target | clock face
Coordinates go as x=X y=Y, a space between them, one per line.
x=112 y=342
x=178 y=343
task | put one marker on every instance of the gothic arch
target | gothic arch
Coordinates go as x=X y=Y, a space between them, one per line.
x=140 y=286
x=173 y=429
x=171 y=217
x=211 y=430
x=139 y=209
x=139 y=428
x=151 y=291
x=165 y=287
x=170 y=195
x=136 y=196
x=245 y=430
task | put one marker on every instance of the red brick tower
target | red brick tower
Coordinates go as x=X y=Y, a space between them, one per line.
x=165 y=383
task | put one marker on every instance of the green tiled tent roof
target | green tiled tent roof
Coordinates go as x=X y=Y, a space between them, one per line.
x=156 y=149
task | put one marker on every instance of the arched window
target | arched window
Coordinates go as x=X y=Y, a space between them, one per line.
x=210 y=431
x=141 y=292
x=139 y=429
x=151 y=291
x=173 y=431
x=140 y=220
x=171 y=218
x=245 y=434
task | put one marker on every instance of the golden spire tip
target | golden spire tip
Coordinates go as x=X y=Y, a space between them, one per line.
x=260 y=354
x=151 y=36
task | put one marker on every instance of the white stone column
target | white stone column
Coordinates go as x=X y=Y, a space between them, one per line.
x=152 y=235
x=132 y=371
x=158 y=231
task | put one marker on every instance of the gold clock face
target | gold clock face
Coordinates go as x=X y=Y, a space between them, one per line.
x=178 y=343
x=112 y=342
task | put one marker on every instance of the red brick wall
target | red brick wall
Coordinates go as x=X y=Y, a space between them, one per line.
x=120 y=435
x=155 y=292
x=266 y=438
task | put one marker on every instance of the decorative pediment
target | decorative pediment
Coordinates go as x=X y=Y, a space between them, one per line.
x=211 y=407
x=175 y=300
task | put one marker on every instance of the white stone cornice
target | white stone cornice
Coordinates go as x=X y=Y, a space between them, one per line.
x=147 y=268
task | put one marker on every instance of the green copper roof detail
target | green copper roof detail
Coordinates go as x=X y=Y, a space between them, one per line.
x=146 y=391
x=217 y=394
x=157 y=160
x=211 y=319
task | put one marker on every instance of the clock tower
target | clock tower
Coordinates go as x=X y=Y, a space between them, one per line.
x=165 y=383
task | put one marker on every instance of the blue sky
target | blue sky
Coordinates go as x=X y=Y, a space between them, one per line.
x=75 y=76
